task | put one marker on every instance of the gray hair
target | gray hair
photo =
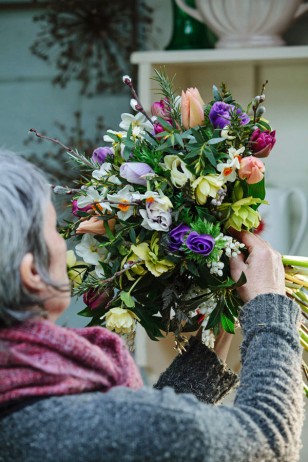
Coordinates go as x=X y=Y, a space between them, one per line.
x=24 y=194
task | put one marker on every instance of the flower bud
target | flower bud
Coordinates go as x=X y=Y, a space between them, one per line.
x=160 y=109
x=94 y=299
x=127 y=80
x=95 y=226
x=261 y=143
x=100 y=154
x=260 y=111
x=135 y=172
x=192 y=108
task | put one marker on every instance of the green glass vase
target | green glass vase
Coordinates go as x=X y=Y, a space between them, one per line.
x=188 y=33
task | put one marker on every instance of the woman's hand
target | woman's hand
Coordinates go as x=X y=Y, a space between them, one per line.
x=263 y=268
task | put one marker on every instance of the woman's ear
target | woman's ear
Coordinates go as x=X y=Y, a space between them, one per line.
x=29 y=276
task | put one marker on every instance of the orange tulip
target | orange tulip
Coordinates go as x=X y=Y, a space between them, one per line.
x=95 y=226
x=192 y=107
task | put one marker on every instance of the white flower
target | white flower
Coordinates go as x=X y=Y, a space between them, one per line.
x=225 y=133
x=236 y=153
x=157 y=214
x=139 y=124
x=228 y=170
x=179 y=172
x=94 y=197
x=125 y=197
x=104 y=174
x=108 y=138
x=90 y=251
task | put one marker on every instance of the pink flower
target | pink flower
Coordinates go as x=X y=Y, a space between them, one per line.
x=192 y=108
x=76 y=209
x=160 y=109
x=262 y=142
x=94 y=226
x=251 y=169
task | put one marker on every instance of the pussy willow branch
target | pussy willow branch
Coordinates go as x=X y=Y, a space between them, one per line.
x=118 y=273
x=69 y=150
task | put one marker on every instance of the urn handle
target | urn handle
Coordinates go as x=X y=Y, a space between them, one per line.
x=189 y=10
x=301 y=10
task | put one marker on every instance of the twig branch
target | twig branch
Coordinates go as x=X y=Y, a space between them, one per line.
x=69 y=150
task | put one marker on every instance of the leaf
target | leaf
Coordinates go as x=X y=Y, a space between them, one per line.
x=216 y=93
x=240 y=282
x=127 y=299
x=215 y=316
x=257 y=189
x=210 y=156
x=132 y=235
x=152 y=324
x=227 y=324
x=215 y=140
x=86 y=312
x=263 y=125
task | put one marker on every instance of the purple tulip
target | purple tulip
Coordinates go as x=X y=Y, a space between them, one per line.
x=176 y=237
x=100 y=154
x=76 y=209
x=134 y=171
x=262 y=142
x=220 y=114
x=203 y=244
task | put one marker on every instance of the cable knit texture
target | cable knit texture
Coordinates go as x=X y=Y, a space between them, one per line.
x=38 y=358
x=166 y=425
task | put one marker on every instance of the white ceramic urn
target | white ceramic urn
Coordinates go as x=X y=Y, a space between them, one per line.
x=246 y=23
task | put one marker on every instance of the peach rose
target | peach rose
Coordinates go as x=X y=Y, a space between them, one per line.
x=192 y=107
x=94 y=226
x=251 y=169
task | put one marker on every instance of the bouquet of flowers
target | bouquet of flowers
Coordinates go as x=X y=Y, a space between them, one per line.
x=153 y=212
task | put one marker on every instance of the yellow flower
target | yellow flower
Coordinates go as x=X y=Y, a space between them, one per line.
x=137 y=269
x=241 y=214
x=206 y=186
x=121 y=320
x=149 y=254
x=179 y=172
x=74 y=274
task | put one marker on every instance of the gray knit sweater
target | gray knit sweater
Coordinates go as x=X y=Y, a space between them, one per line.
x=177 y=421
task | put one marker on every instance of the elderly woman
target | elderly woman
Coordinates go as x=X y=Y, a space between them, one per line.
x=76 y=395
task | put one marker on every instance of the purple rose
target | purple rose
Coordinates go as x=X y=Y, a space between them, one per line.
x=220 y=114
x=176 y=237
x=134 y=172
x=261 y=143
x=76 y=209
x=100 y=154
x=202 y=244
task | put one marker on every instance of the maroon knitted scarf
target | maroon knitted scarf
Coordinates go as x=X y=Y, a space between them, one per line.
x=38 y=358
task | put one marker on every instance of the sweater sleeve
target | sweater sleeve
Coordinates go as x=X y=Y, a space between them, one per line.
x=199 y=371
x=264 y=424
